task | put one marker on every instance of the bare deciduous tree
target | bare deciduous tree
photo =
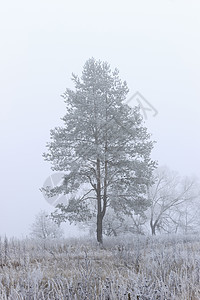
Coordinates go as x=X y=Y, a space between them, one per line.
x=168 y=193
x=43 y=227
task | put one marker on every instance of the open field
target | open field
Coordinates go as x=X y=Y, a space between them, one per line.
x=133 y=267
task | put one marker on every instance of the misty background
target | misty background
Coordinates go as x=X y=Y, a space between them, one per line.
x=154 y=44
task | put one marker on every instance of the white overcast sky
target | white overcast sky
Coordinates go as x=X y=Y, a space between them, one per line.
x=155 y=44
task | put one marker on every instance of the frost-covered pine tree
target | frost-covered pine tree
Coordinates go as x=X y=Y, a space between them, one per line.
x=103 y=148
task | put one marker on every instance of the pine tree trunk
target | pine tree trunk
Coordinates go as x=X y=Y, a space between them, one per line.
x=99 y=212
x=99 y=229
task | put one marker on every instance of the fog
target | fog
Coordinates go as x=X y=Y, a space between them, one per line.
x=154 y=44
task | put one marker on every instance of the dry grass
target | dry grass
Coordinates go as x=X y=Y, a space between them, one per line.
x=137 y=268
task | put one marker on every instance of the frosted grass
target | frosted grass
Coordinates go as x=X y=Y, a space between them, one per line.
x=132 y=267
